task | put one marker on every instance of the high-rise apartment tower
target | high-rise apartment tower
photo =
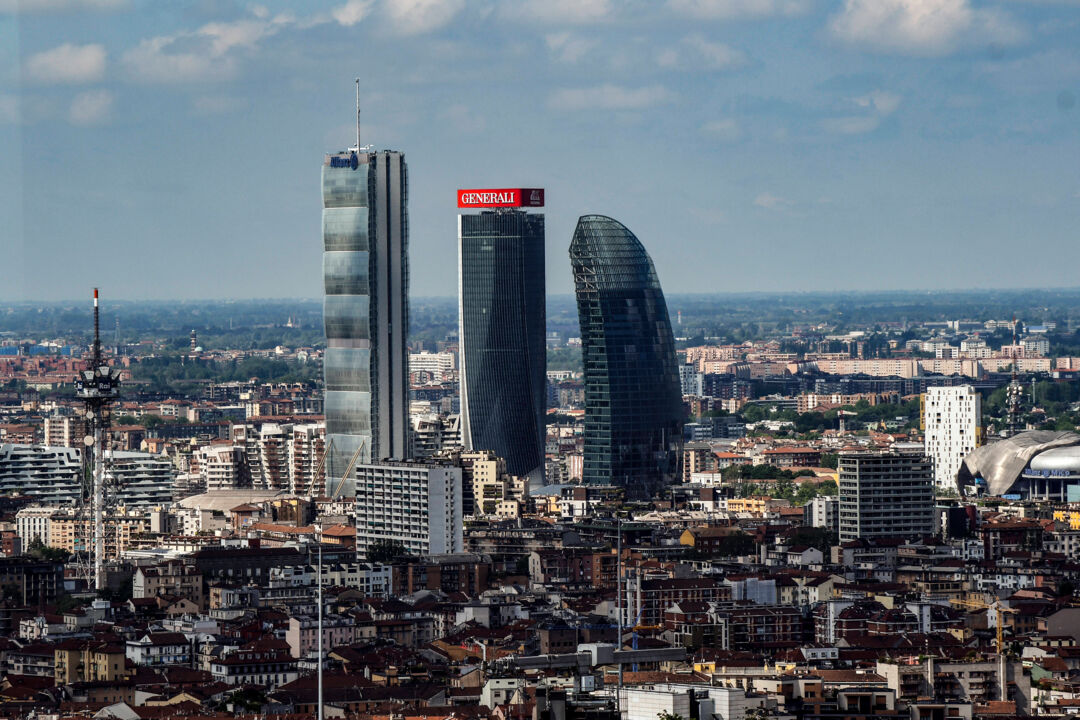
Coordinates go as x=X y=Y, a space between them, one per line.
x=885 y=494
x=365 y=229
x=952 y=425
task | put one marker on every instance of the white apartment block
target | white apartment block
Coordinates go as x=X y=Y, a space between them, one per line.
x=223 y=467
x=64 y=431
x=952 y=417
x=435 y=363
x=32 y=523
x=416 y=503
x=1035 y=346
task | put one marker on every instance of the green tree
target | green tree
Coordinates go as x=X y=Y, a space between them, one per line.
x=830 y=460
x=383 y=551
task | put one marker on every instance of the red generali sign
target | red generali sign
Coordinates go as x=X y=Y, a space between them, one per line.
x=500 y=197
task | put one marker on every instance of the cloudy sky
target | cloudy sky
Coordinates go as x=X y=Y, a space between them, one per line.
x=172 y=149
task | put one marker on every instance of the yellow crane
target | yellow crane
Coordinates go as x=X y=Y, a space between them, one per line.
x=998 y=622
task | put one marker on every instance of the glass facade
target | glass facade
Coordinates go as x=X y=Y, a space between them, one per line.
x=633 y=404
x=365 y=310
x=502 y=319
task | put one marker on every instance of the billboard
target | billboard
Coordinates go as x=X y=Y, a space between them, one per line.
x=500 y=198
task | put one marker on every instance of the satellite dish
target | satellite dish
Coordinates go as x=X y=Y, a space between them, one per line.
x=88 y=440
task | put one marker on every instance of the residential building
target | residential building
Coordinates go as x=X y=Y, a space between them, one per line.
x=82 y=660
x=633 y=400
x=169 y=578
x=302 y=634
x=415 y=503
x=952 y=423
x=159 y=649
x=48 y=474
x=885 y=494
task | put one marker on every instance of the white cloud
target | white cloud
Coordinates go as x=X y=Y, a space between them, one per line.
x=573 y=12
x=717 y=56
x=771 y=202
x=568 y=47
x=882 y=102
x=878 y=105
x=413 y=17
x=352 y=12
x=723 y=129
x=207 y=54
x=43 y=6
x=67 y=63
x=731 y=9
x=851 y=124
x=156 y=60
x=921 y=27
x=609 y=97
x=667 y=58
x=91 y=107
x=695 y=52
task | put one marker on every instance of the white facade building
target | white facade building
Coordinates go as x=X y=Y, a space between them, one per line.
x=823 y=512
x=33 y=523
x=438 y=364
x=416 y=503
x=952 y=418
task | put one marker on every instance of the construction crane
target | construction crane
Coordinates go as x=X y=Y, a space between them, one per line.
x=319 y=468
x=349 y=468
x=998 y=608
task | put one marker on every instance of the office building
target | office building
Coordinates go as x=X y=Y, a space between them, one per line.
x=886 y=494
x=415 y=503
x=501 y=311
x=952 y=425
x=633 y=403
x=366 y=309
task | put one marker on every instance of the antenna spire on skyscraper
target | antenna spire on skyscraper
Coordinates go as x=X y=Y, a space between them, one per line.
x=357 y=115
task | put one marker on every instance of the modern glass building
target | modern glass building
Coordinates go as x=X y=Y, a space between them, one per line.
x=633 y=404
x=502 y=319
x=365 y=310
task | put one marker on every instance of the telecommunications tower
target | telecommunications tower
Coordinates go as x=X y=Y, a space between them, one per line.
x=97 y=386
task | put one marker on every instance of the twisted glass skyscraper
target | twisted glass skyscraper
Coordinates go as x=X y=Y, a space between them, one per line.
x=365 y=310
x=502 y=319
x=633 y=402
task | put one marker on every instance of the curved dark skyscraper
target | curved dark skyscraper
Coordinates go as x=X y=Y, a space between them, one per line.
x=633 y=400
x=503 y=345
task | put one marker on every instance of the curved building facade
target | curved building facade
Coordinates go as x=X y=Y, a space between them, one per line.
x=365 y=310
x=502 y=317
x=633 y=401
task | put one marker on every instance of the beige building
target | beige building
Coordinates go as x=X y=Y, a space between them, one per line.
x=169 y=578
x=75 y=534
x=89 y=661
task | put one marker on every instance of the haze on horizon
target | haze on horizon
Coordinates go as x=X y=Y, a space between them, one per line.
x=173 y=150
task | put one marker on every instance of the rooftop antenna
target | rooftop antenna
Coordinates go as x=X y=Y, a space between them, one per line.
x=357 y=115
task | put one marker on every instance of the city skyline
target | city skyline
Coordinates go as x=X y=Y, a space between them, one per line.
x=946 y=144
